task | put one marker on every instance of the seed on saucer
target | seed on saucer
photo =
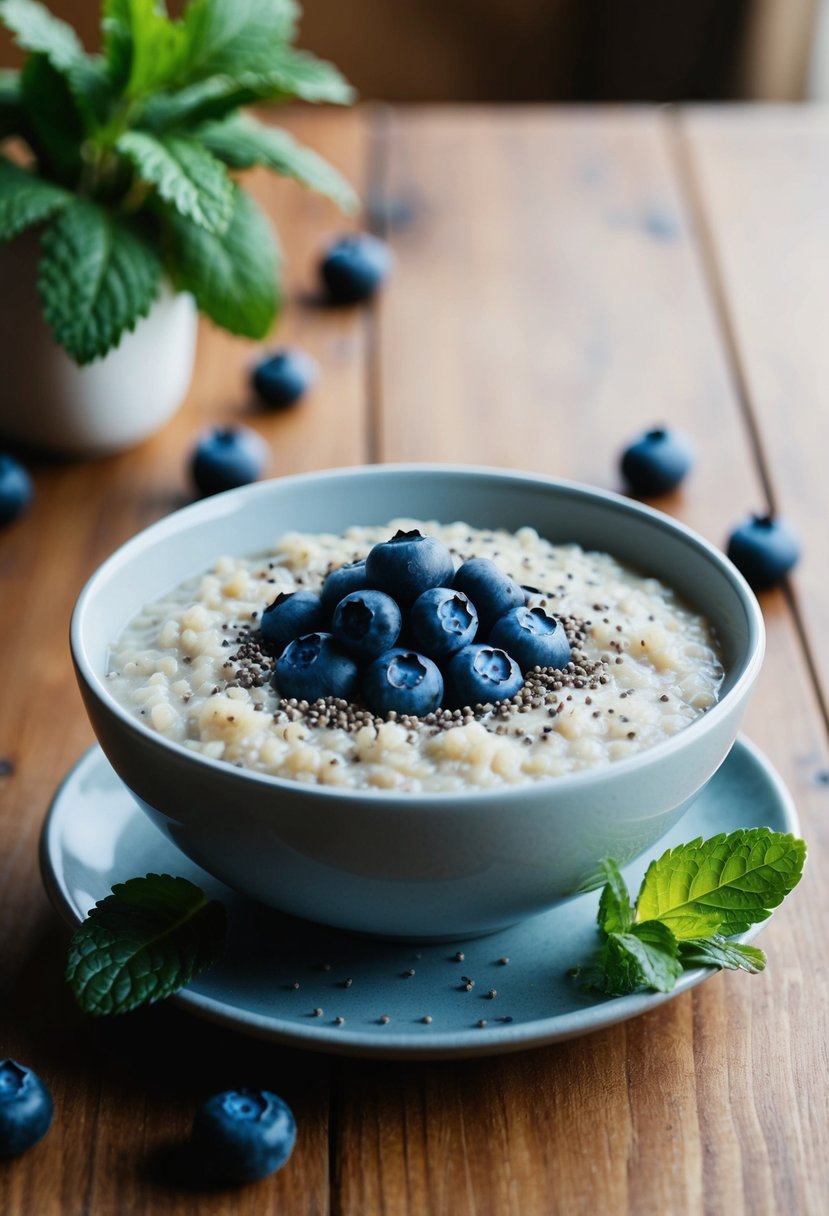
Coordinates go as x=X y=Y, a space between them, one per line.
x=346 y=983
x=317 y=1013
x=427 y=1019
x=492 y=993
x=295 y=985
x=384 y=1020
x=482 y=1022
x=459 y=957
x=408 y=974
x=505 y=1018
x=339 y=1021
x=503 y=960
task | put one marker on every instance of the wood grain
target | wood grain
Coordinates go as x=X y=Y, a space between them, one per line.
x=557 y=288
x=553 y=276
x=125 y=1090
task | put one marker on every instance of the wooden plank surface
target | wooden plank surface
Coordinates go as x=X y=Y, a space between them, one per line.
x=552 y=275
x=763 y=186
x=554 y=292
x=126 y=1089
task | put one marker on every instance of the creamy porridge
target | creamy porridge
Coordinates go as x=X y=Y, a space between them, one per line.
x=195 y=668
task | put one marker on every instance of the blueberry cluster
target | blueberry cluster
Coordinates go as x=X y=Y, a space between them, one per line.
x=408 y=633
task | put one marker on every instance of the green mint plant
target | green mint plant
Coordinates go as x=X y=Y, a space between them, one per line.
x=144 y=942
x=132 y=153
x=693 y=900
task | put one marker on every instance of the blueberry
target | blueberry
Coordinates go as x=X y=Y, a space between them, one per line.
x=764 y=548
x=403 y=681
x=442 y=622
x=316 y=666
x=16 y=489
x=25 y=1108
x=291 y=615
x=479 y=674
x=353 y=267
x=656 y=461
x=533 y=638
x=409 y=564
x=226 y=457
x=281 y=378
x=244 y=1134
x=341 y=582
x=491 y=590
x=366 y=623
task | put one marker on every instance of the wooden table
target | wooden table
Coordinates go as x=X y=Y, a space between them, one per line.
x=563 y=279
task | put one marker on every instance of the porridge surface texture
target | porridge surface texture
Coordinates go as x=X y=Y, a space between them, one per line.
x=195 y=668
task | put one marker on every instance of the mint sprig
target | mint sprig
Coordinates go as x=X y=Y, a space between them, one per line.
x=692 y=900
x=147 y=137
x=144 y=942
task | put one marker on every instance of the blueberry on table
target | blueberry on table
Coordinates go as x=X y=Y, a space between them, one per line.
x=404 y=682
x=341 y=582
x=764 y=548
x=226 y=457
x=480 y=674
x=244 y=1134
x=354 y=267
x=367 y=623
x=491 y=590
x=16 y=489
x=316 y=666
x=25 y=1108
x=656 y=461
x=281 y=378
x=291 y=615
x=442 y=622
x=409 y=564
x=533 y=638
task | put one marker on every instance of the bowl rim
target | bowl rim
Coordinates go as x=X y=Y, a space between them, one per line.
x=225 y=503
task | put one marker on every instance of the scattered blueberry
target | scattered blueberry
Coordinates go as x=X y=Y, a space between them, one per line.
x=533 y=638
x=656 y=461
x=442 y=622
x=403 y=681
x=244 y=1134
x=25 y=1108
x=226 y=457
x=367 y=623
x=281 y=378
x=409 y=564
x=353 y=267
x=16 y=489
x=491 y=590
x=316 y=666
x=341 y=582
x=479 y=674
x=291 y=615
x=764 y=548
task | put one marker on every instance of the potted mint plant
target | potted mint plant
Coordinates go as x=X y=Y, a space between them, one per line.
x=119 y=211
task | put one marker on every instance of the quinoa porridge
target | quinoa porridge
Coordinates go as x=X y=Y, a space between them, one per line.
x=195 y=668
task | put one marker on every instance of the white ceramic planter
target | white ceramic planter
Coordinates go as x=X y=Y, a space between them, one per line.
x=49 y=403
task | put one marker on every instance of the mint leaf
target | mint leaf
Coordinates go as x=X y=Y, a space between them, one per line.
x=725 y=884
x=717 y=951
x=242 y=142
x=186 y=175
x=645 y=957
x=54 y=127
x=228 y=39
x=615 y=911
x=300 y=74
x=26 y=200
x=143 y=48
x=142 y=943
x=11 y=109
x=97 y=276
x=233 y=276
x=36 y=30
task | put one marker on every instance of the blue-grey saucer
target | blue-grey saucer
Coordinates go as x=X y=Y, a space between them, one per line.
x=505 y=992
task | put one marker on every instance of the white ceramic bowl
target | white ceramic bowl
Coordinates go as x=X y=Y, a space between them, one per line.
x=412 y=865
